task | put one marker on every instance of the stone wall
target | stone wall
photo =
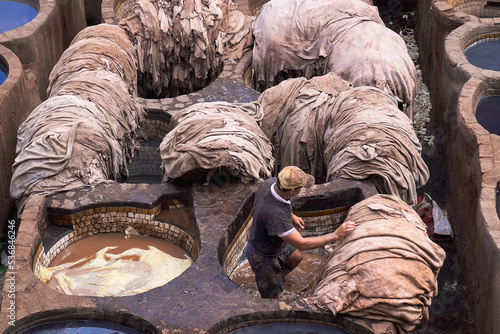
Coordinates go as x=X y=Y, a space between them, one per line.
x=471 y=155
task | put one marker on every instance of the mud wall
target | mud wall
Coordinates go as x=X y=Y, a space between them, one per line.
x=468 y=152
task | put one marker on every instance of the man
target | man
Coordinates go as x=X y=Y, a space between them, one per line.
x=274 y=245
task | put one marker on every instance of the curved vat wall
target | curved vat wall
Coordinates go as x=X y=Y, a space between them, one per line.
x=337 y=325
x=13 y=111
x=471 y=154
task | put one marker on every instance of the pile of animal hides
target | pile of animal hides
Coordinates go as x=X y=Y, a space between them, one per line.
x=332 y=130
x=181 y=44
x=386 y=269
x=85 y=132
x=206 y=138
x=348 y=37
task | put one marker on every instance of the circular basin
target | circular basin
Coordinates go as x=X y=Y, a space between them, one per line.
x=289 y=328
x=115 y=264
x=80 y=327
x=3 y=73
x=488 y=113
x=484 y=53
x=14 y=14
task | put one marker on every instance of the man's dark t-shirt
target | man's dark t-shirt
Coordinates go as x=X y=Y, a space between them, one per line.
x=270 y=218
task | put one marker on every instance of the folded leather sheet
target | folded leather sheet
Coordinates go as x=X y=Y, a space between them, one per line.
x=313 y=37
x=386 y=269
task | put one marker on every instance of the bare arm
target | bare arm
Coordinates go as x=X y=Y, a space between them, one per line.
x=297 y=222
x=298 y=241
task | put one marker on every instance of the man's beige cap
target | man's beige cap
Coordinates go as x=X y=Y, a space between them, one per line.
x=292 y=177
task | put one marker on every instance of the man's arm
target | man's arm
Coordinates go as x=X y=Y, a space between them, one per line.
x=298 y=241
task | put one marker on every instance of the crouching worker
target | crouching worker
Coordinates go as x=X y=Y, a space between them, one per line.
x=274 y=245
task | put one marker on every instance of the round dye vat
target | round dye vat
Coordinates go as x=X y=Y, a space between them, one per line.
x=3 y=73
x=14 y=14
x=301 y=281
x=80 y=327
x=488 y=113
x=290 y=328
x=484 y=54
x=115 y=264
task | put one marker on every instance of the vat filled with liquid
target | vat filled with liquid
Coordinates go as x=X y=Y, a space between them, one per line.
x=80 y=327
x=115 y=264
x=484 y=54
x=16 y=13
x=3 y=73
x=488 y=113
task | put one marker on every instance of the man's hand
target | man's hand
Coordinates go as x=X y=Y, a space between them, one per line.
x=298 y=223
x=345 y=228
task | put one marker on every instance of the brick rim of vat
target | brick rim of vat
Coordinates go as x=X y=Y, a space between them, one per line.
x=148 y=226
x=465 y=36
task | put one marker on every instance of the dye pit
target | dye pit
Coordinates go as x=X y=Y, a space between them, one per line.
x=115 y=264
x=488 y=113
x=485 y=55
x=3 y=73
x=14 y=14
x=80 y=327
x=290 y=328
x=299 y=283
